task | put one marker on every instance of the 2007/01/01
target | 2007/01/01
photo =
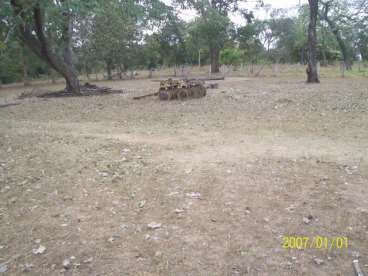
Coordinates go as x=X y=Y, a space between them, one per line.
x=317 y=242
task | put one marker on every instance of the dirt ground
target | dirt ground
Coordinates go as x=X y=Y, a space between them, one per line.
x=221 y=180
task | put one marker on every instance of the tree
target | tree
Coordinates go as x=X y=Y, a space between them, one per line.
x=231 y=56
x=312 y=73
x=249 y=41
x=38 y=22
x=12 y=69
x=214 y=22
x=334 y=26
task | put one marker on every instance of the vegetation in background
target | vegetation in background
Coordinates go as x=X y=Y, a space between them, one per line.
x=75 y=37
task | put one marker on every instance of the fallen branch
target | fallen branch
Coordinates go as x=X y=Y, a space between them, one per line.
x=8 y=104
x=145 y=96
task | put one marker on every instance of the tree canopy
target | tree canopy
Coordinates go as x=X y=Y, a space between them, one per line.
x=74 y=37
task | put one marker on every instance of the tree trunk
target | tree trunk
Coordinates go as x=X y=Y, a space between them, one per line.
x=109 y=69
x=120 y=72
x=335 y=30
x=324 y=58
x=199 y=59
x=215 y=56
x=302 y=56
x=33 y=35
x=25 y=67
x=86 y=69
x=312 y=72
x=72 y=82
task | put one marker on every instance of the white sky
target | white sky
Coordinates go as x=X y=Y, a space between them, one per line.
x=261 y=13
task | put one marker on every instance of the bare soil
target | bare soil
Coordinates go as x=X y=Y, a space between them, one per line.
x=224 y=178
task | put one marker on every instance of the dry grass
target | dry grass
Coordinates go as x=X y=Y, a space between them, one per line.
x=85 y=176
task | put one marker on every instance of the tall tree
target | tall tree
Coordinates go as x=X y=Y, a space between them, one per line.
x=42 y=26
x=333 y=23
x=214 y=23
x=312 y=72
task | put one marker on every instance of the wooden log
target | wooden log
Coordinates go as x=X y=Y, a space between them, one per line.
x=145 y=96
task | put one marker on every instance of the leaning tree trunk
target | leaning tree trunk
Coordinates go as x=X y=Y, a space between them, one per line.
x=335 y=30
x=72 y=82
x=215 y=57
x=312 y=72
x=33 y=35
x=340 y=41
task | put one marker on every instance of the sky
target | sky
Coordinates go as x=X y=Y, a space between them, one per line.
x=262 y=13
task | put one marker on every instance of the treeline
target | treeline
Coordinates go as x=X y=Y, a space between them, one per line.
x=118 y=37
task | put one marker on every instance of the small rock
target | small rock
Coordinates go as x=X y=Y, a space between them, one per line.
x=68 y=198
x=13 y=200
x=266 y=219
x=3 y=268
x=154 y=225
x=318 y=261
x=194 y=195
x=89 y=260
x=6 y=188
x=308 y=219
x=124 y=226
x=72 y=257
x=38 y=241
x=247 y=210
x=103 y=174
x=141 y=204
x=126 y=150
x=158 y=254
x=27 y=267
x=40 y=250
x=179 y=211
x=66 y=264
